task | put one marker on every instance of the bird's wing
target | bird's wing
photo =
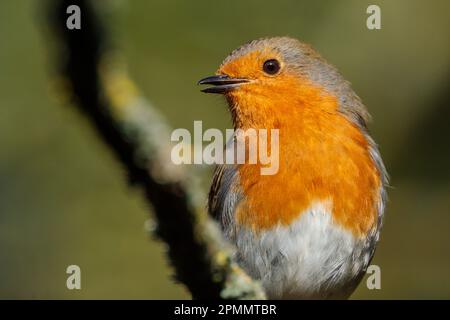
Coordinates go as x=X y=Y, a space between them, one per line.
x=224 y=194
x=214 y=190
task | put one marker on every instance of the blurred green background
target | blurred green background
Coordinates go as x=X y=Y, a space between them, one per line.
x=63 y=197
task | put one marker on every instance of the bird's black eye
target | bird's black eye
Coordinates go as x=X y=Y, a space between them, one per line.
x=271 y=66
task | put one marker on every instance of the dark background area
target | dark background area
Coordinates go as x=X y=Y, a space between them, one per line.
x=63 y=197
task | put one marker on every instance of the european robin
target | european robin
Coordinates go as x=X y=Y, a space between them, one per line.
x=310 y=230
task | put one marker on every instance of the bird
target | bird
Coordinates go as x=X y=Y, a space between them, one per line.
x=310 y=230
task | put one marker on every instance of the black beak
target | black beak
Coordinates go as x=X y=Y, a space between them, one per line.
x=221 y=83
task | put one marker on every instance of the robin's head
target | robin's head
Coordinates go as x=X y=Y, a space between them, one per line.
x=282 y=75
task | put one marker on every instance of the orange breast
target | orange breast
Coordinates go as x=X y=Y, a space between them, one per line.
x=323 y=156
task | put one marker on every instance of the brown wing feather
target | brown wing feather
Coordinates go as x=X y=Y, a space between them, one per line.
x=224 y=193
x=214 y=192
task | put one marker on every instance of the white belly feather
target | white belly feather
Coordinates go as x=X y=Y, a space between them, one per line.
x=311 y=258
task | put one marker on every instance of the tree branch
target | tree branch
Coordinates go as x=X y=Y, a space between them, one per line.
x=139 y=138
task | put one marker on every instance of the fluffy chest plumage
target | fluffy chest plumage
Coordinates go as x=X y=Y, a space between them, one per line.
x=313 y=257
x=306 y=232
x=320 y=157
